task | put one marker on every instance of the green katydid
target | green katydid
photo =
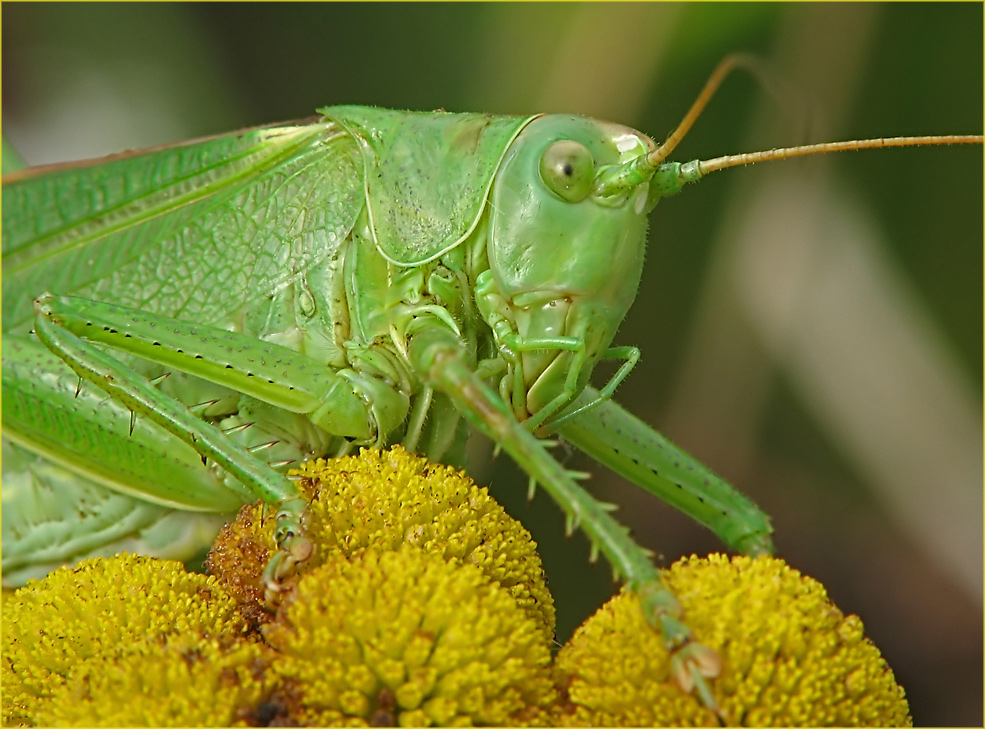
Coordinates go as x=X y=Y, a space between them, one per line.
x=182 y=324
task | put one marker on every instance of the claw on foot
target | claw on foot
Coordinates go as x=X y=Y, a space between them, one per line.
x=691 y=665
x=293 y=549
x=283 y=565
x=691 y=662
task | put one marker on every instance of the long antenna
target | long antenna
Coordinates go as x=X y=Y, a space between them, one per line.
x=751 y=64
x=699 y=168
x=722 y=70
x=615 y=180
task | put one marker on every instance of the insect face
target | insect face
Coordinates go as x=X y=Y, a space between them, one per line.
x=565 y=258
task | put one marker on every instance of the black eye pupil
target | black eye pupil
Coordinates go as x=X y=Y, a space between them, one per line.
x=567 y=170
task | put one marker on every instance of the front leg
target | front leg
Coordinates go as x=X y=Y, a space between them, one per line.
x=440 y=359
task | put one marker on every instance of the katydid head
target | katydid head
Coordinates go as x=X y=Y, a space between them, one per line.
x=568 y=220
x=565 y=253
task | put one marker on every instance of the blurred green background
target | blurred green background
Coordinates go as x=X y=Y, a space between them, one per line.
x=812 y=329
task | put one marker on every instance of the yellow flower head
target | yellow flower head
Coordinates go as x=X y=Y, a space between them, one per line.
x=403 y=637
x=103 y=608
x=790 y=657
x=210 y=684
x=380 y=500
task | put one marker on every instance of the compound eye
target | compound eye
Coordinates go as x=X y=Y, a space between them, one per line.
x=568 y=170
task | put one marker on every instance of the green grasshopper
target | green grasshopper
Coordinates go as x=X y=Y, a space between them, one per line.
x=182 y=324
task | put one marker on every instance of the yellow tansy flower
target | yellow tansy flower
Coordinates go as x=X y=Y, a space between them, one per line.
x=102 y=607
x=790 y=657
x=402 y=637
x=380 y=500
x=161 y=684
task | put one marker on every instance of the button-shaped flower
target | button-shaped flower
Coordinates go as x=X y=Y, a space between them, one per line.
x=789 y=656
x=403 y=638
x=103 y=608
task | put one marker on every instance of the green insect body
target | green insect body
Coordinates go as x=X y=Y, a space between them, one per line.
x=183 y=324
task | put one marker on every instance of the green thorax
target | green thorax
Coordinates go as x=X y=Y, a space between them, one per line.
x=427 y=174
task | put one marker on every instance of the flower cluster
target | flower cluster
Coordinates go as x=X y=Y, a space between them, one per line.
x=422 y=604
